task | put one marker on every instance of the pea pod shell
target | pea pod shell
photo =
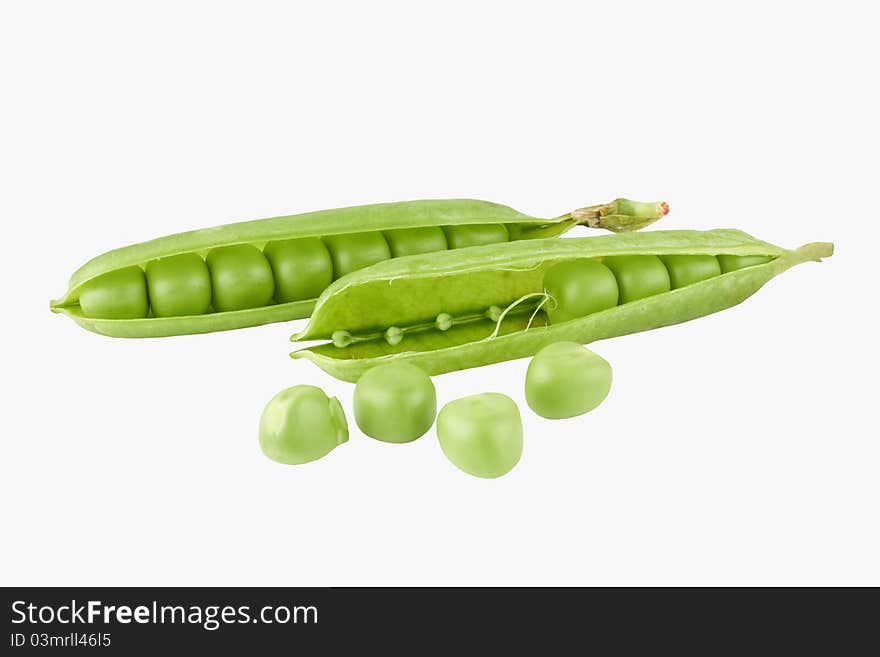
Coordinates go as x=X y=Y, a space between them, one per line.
x=409 y=286
x=617 y=215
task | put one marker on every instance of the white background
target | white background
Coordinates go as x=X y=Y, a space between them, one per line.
x=737 y=449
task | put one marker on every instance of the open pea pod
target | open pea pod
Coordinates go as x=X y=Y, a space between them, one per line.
x=271 y=270
x=489 y=304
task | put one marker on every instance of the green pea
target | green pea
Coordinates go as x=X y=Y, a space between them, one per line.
x=240 y=277
x=179 y=285
x=481 y=434
x=395 y=403
x=578 y=288
x=638 y=276
x=119 y=294
x=566 y=379
x=412 y=241
x=687 y=269
x=734 y=262
x=301 y=424
x=302 y=268
x=355 y=251
x=458 y=237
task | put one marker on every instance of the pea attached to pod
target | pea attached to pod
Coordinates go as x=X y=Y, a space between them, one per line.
x=412 y=241
x=302 y=268
x=685 y=270
x=481 y=434
x=639 y=276
x=354 y=251
x=459 y=237
x=734 y=262
x=241 y=277
x=301 y=424
x=395 y=403
x=179 y=285
x=119 y=294
x=577 y=288
x=566 y=379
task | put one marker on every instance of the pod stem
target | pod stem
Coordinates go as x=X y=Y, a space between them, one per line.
x=815 y=251
x=621 y=215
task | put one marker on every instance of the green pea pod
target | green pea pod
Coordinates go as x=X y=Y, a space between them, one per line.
x=272 y=270
x=487 y=304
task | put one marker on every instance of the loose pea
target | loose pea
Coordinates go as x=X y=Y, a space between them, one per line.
x=412 y=241
x=395 y=403
x=240 y=277
x=179 y=285
x=355 y=251
x=458 y=237
x=566 y=379
x=301 y=424
x=734 y=262
x=687 y=269
x=481 y=434
x=302 y=268
x=638 y=276
x=119 y=294
x=578 y=288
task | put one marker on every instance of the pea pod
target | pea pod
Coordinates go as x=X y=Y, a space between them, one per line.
x=489 y=304
x=272 y=270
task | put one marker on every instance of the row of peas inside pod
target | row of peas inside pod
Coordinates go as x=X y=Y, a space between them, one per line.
x=270 y=270
x=481 y=434
x=243 y=276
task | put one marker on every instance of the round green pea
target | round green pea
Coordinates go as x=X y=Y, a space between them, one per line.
x=355 y=251
x=119 y=294
x=578 y=288
x=179 y=285
x=463 y=235
x=301 y=424
x=638 y=276
x=688 y=269
x=481 y=434
x=566 y=379
x=240 y=277
x=412 y=241
x=734 y=262
x=395 y=402
x=302 y=268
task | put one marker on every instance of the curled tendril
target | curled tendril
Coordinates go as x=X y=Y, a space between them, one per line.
x=513 y=305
